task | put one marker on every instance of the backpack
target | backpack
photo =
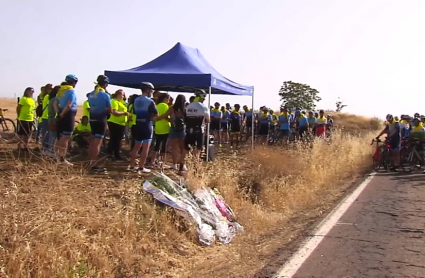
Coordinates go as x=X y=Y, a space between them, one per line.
x=39 y=110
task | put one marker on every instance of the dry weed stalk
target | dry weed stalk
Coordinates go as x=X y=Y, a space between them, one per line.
x=58 y=222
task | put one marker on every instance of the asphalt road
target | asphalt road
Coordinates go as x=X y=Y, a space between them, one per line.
x=380 y=235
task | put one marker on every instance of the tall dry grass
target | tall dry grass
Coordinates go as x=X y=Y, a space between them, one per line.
x=57 y=222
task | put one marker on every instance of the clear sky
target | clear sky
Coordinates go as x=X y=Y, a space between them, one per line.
x=371 y=53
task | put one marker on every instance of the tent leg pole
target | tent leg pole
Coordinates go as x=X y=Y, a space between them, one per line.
x=208 y=125
x=252 y=122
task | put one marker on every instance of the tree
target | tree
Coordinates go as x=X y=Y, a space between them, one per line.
x=339 y=105
x=298 y=95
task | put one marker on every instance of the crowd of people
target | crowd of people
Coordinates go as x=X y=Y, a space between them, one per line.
x=227 y=123
x=153 y=121
x=150 y=115
x=401 y=130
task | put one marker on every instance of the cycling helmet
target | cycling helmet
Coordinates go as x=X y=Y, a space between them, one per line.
x=200 y=93
x=146 y=85
x=396 y=118
x=422 y=117
x=71 y=78
x=102 y=79
x=416 y=115
x=389 y=117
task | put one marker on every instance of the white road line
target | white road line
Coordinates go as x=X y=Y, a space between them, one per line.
x=291 y=267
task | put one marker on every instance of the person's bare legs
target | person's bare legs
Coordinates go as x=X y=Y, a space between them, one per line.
x=94 y=150
x=144 y=154
x=134 y=154
x=174 y=150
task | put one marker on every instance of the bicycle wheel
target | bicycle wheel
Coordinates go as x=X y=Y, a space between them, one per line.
x=376 y=164
x=406 y=161
x=385 y=160
x=8 y=129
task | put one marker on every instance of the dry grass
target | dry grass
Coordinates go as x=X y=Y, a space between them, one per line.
x=57 y=222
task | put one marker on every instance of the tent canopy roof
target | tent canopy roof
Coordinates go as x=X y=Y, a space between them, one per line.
x=180 y=69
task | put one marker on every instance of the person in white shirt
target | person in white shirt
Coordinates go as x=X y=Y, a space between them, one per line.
x=196 y=118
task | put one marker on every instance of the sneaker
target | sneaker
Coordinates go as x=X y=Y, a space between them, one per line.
x=143 y=170
x=65 y=162
x=132 y=169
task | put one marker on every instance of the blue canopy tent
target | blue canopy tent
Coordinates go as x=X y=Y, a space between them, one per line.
x=181 y=69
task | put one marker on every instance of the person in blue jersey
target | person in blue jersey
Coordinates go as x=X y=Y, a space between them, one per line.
x=145 y=111
x=65 y=107
x=284 y=122
x=215 y=126
x=247 y=119
x=225 y=124
x=302 y=126
x=264 y=124
x=100 y=108
x=235 y=126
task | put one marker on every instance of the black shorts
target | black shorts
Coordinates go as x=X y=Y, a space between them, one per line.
x=215 y=126
x=224 y=126
x=302 y=130
x=142 y=133
x=235 y=129
x=161 y=141
x=263 y=130
x=194 y=139
x=65 y=125
x=283 y=133
x=98 y=128
x=25 y=128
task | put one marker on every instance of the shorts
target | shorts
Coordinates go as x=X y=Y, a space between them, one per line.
x=320 y=131
x=395 y=144
x=224 y=126
x=25 y=128
x=235 y=130
x=98 y=128
x=215 y=126
x=65 y=124
x=283 y=133
x=161 y=142
x=142 y=133
x=302 y=130
x=263 y=130
x=176 y=134
x=194 y=139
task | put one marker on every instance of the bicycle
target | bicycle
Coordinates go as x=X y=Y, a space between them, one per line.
x=381 y=156
x=8 y=127
x=410 y=157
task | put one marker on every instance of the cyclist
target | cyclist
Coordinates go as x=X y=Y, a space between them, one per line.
x=417 y=135
x=392 y=129
x=404 y=126
x=215 y=125
x=264 y=120
x=320 y=127
x=284 y=121
x=66 y=108
x=100 y=108
x=197 y=115
x=145 y=111
x=235 y=126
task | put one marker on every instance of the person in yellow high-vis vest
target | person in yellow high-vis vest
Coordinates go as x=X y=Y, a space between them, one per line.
x=116 y=124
